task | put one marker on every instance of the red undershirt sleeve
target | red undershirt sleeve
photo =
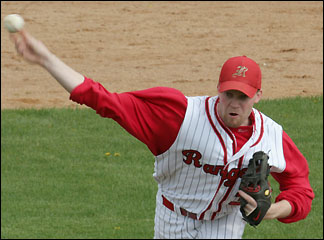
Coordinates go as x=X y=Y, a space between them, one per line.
x=294 y=182
x=153 y=116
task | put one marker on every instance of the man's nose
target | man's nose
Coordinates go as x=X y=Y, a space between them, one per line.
x=235 y=103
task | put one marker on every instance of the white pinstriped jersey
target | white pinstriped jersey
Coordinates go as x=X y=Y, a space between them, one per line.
x=201 y=171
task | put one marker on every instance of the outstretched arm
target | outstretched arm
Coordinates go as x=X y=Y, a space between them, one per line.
x=35 y=51
x=153 y=116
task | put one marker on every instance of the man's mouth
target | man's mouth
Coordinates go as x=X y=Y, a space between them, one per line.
x=233 y=114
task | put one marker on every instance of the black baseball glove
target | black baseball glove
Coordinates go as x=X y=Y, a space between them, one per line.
x=255 y=183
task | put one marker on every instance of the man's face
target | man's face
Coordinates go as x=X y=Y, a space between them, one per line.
x=235 y=107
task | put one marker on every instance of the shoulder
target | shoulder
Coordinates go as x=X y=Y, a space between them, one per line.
x=157 y=92
x=268 y=122
x=201 y=100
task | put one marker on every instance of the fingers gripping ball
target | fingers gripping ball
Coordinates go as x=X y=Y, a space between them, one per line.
x=255 y=183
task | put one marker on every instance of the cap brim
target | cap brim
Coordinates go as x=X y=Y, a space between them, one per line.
x=239 y=86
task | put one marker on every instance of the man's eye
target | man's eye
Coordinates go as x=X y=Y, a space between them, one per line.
x=243 y=97
x=229 y=95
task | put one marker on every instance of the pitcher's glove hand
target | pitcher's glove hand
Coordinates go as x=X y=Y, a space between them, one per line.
x=255 y=183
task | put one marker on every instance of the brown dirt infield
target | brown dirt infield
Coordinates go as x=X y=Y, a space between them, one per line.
x=130 y=46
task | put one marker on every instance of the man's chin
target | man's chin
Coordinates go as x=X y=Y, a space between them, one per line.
x=233 y=123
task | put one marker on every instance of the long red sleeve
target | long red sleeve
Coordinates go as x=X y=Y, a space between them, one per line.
x=294 y=182
x=153 y=116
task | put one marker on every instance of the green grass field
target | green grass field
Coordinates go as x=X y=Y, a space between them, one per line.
x=59 y=181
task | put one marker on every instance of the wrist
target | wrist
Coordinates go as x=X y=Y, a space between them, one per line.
x=47 y=60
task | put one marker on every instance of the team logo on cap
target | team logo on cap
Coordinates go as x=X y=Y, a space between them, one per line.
x=240 y=72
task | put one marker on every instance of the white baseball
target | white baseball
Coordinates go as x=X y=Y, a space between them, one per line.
x=13 y=23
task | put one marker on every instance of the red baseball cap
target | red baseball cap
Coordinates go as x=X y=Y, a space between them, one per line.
x=242 y=74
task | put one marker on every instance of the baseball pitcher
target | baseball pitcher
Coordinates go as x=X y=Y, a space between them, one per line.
x=213 y=155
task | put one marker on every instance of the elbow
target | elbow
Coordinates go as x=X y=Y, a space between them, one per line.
x=301 y=207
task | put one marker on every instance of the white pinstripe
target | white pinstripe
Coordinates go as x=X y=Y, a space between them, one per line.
x=192 y=188
x=170 y=225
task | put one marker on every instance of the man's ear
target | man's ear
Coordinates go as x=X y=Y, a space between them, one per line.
x=258 y=96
